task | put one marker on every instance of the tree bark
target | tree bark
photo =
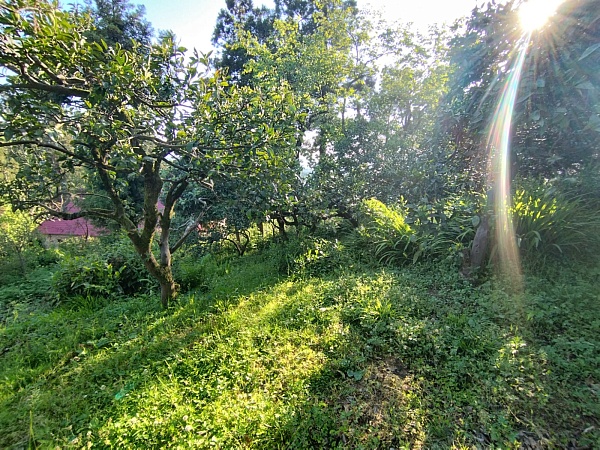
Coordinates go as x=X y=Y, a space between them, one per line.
x=480 y=246
x=163 y=274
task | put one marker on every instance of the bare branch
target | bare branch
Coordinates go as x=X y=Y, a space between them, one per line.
x=191 y=227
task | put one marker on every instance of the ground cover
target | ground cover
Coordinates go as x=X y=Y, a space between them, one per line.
x=358 y=357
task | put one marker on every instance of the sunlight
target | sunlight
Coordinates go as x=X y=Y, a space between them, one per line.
x=499 y=147
x=535 y=13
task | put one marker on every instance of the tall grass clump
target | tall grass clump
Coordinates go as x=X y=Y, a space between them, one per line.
x=553 y=224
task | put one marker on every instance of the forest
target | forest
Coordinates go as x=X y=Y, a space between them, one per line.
x=332 y=231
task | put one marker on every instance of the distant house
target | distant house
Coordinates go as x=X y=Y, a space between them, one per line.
x=56 y=230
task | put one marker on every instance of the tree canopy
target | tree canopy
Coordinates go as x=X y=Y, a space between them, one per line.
x=311 y=109
x=143 y=126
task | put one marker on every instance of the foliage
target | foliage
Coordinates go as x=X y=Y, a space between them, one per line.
x=25 y=294
x=550 y=223
x=18 y=238
x=297 y=341
x=109 y=268
x=384 y=231
x=362 y=357
x=196 y=271
x=239 y=15
x=555 y=116
x=118 y=22
x=446 y=227
x=128 y=127
x=317 y=257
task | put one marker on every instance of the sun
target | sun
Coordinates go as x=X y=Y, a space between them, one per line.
x=535 y=13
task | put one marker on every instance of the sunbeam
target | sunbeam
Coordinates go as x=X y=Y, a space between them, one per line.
x=499 y=148
x=535 y=13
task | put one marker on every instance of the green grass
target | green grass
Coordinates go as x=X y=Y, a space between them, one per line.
x=359 y=358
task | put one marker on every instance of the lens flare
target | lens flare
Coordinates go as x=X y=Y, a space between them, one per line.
x=535 y=13
x=499 y=148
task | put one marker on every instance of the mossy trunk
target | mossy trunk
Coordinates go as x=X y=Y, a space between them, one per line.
x=479 y=250
x=168 y=291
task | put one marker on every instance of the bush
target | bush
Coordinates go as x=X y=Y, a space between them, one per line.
x=194 y=271
x=108 y=267
x=384 y=231
x=19 y=244
x=411 y=233
x=549 y=223
x=446 y=227
x=320 y=257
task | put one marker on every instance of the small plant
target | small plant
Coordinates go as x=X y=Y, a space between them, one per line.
x=549 y=223
x=384 y=232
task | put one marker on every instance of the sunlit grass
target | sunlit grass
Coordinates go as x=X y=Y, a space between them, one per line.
x=367 y=358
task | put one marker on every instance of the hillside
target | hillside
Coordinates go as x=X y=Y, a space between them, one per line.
x=360 y=357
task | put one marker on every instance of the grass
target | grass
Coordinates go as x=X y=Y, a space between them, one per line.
x=362 y=357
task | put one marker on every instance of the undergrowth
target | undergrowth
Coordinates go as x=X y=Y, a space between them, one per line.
x=313 y=351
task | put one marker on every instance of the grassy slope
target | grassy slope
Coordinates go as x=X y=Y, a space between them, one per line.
x=361 y=358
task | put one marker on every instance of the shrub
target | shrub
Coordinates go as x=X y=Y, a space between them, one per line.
x=108 y=267
x=445 y=227
x=384 y=231
x=549 y=223
x=195 y=271
x=414 y=232
x=320 y=256
x=19 y=244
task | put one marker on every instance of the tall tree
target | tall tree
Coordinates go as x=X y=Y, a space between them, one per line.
x=118 y=22
x=239 y=15
x=148 y=118
x=242 y=17
x=555 y=120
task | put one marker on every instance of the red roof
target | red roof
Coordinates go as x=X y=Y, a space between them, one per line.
x=75 y=227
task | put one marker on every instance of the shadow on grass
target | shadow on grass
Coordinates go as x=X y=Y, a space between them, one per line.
x=436 y=363
x=66 y=371
x=414 y=359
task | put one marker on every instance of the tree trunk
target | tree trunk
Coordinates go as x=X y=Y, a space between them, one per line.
x=168 y=290
x=163 y=274
x=480 y=244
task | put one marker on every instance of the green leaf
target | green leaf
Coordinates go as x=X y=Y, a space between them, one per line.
x=591 y=49
x=356 y=374
x=586 y=85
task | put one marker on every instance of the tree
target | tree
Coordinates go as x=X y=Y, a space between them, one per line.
x=555 y=119
x=143 y=125
x=16 y=235
x=239 y=15
x=118 y=22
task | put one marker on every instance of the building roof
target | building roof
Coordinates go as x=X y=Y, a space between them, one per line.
x=75 y=227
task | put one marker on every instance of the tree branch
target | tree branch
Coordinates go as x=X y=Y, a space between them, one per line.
x=55 y=89
x=61 y=149
x=191 y=227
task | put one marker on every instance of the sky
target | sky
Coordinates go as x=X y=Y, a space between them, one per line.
x=193 y=21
